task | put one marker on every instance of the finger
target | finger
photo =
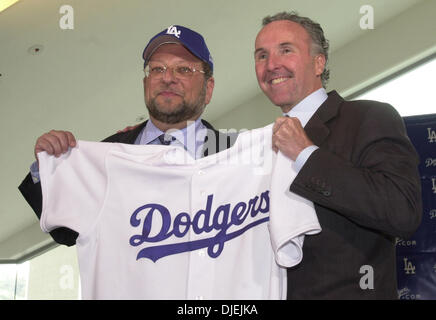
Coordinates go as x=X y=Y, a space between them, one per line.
x=42 y=144
x=278 y=123
x=66 y=140
x=277 y=137
x=128 y=128
x=296 y=123
x=59 y=141
x=121 y=131
x=274 y=147
x=275 y=143
x=71 y=139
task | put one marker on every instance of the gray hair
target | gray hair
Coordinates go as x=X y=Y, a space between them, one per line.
x=320 y=45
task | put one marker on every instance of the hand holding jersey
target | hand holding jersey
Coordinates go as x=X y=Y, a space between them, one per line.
x=289 y=137
x=55 y=143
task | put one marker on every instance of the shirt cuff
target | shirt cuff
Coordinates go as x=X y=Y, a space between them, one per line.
x=34 y=172
x=303 y=156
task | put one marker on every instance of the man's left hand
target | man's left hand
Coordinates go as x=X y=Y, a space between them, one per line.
x=289 y=137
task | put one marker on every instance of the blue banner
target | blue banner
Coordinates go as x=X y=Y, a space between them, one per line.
x=416 y=256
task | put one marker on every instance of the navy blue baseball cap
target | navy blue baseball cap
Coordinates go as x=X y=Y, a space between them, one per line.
x=190 y=39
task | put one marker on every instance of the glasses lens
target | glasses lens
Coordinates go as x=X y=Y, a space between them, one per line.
x=183 y=71
x=180 y=71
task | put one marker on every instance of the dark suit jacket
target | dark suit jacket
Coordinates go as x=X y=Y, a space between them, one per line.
x=365 y=185
x=214 y=141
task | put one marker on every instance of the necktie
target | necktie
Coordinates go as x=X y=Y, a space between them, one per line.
x=166 y=139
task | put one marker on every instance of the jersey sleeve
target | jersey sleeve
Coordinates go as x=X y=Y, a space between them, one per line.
x=73 y=186
x=291 y=216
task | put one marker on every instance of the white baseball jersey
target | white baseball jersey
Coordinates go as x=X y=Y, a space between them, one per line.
x=155 y=223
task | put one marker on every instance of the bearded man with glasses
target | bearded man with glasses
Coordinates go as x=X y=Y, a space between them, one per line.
x=178 y=84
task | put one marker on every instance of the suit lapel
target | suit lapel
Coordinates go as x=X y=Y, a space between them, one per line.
x=317 y=128
x=220 y=141
x=131 y=136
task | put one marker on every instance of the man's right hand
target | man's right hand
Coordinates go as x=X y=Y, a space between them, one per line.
x=55 y=142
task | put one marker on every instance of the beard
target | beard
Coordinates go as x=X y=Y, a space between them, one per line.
x=182 y=112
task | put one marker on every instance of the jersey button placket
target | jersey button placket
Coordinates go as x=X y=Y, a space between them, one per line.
x=199 y=262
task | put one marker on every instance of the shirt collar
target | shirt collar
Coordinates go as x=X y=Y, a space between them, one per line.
x=191 y=137
x=305 y=109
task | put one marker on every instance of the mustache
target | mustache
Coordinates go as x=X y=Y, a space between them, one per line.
x=271 y=75
x=168 y=89
x=182 y=112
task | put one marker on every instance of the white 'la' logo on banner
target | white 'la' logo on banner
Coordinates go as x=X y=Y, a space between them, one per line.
x=408 y=267
x=431 y=135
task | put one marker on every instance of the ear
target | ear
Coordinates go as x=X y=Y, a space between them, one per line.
x=319 y=64
x=210 y=84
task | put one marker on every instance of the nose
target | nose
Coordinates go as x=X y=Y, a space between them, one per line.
x=272 y=62
x=168 y=76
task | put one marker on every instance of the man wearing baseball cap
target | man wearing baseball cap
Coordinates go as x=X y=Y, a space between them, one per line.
x=178 y=84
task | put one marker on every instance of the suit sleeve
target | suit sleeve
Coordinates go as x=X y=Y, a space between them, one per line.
x=376 y=184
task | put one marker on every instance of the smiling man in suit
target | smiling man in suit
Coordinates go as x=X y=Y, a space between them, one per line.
x=355 y=162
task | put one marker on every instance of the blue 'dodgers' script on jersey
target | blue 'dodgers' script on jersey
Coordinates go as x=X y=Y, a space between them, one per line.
x=222 y=219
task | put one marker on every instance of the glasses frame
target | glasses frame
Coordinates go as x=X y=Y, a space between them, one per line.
x=175 y=74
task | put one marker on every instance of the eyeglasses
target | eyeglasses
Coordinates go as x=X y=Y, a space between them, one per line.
x=156 y=71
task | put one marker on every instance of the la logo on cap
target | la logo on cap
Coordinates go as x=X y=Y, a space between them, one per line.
x=173 y=30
